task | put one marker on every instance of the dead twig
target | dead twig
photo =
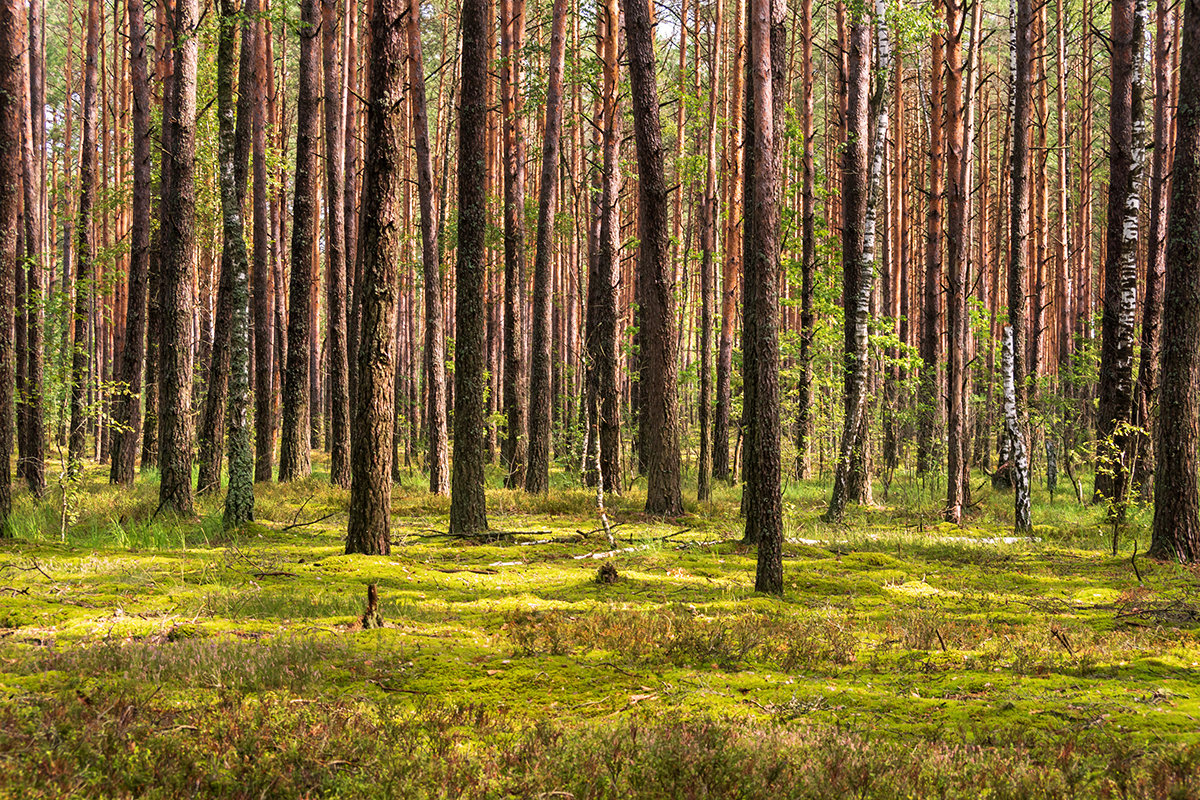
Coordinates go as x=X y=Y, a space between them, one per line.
x=305 y=524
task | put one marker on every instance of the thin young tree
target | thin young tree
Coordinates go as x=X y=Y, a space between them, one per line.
x=379 y=247
x=1126 y=165
x=512 y=35
x=84 y=248
x=264 y=294
x=31 y=420
x=708 y=246
x=335 y=248
x=808 y=242
x=658 y=389
x=468 y=504
x=537 y=474
x=129 y=404
x=435 y=347
x=11 y=91
x=178 y=269
x=295 y=442
x=1176 y=532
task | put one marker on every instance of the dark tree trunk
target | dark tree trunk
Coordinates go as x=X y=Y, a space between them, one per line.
x=808 y=244
x=468 y=505
x=379 y=247
x=32 y=430
x=295 y=442
x=11 y=91
x=512 y=34
x=601 y=328
x=80 y=358
x=1126 y=160
x=1156 y=262
x=708 y=246
x=537 y=474
x=233 y=151
x=129 y=404
x=1176 y=533
x=658 y=389
x=931 y=318
x=862 y=181
x=178 y=267
x=335 y=251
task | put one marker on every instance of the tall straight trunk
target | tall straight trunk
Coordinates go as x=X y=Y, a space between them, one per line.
x=213 y=418
x=764 y=517
x=808 y=242
x=1126 y=165
x=80 y=358
x=601 y=328
x=1018 y=255
x=537 y=474
x=178 y=269
x=512 y=35
x=295 y=441
x=708 y=247
x=659 y=387
x=350 y=195
x=233 y=149
x=335 y=250
x=867 y=125
x=931 y=318
x=129 y=405
x=32 y=424
x=468 y=504
x=1156 y=261
x=435 y=346
x=263 y=312
x=165 y=71
x=730 y=265
x=379 y=247
x=960 y=144
x=1176 y=533
x=11 y=91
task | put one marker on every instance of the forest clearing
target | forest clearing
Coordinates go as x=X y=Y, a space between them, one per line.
x=906 y=658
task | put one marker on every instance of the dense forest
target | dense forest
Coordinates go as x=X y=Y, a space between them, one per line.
x=789 y=269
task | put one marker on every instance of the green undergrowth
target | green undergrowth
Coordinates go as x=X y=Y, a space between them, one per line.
x=143 y=655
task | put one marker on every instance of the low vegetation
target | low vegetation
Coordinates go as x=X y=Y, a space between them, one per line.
x=142 y=656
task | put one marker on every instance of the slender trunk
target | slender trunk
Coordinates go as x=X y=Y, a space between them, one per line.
x=708 y=247
x=11 y=90
x=32 y=430
x=931 y=318
x=335 y=251
x=808 y=243
x=295 y=442
x=512 y=35
x=80 y=359
x=537 y=476
x=264 y=296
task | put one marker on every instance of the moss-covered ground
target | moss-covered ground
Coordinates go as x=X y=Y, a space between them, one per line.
x=144 y=656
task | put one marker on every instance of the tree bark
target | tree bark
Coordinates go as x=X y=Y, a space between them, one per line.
x=537 y=475
x=468 y=504
x=1126 y=150
x=335 y=250
x=808 y=243
x=295 y=441
x=84 y=255
x=708 y=246
x=1176 y=532
x=30 y=356
x=11 y=90
x=178 y=268
x=931 y=317
x=379 y=247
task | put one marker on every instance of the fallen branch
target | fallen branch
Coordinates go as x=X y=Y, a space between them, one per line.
x=305 y=524
x=274 y=574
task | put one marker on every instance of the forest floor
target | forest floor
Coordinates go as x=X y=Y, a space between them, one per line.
x=146 y=657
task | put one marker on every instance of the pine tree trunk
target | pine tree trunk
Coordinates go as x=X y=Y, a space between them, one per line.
x=335 y=251
x=537 y=475
x=11 y=90
x=658 y=389
x=178 y=268
x=296 y=434
x=1176 y=533
x=129 y=405
x=808 y=244
x=379 y=248
x=32 y=430
x=233 y=149
x=468 y=505
x=708 y=247
x=80 y=358
x=931 y=318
